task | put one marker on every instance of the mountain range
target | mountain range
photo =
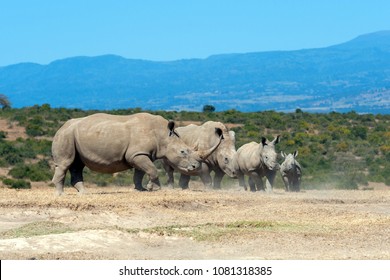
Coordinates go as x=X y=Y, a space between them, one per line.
x=354 y=75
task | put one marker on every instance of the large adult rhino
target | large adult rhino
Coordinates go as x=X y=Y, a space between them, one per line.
x=110 y=143
x=221 y=161
x=291 y=172
x=257 y=160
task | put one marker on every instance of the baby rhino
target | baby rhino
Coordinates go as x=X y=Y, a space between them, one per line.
x=291 y=172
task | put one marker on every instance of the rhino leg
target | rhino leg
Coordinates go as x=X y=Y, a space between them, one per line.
x=144 y=165
x=59 y=179
x=255 y=182
x=252 y=184
x=286 y=183
x=184 y=181
x=296 y=185
x=59 y=174
x=241 y=181
x=171 y=180
x=218 y=178
x=269 y=180
x=206 y=177
x=76 y=173
x=138 y=177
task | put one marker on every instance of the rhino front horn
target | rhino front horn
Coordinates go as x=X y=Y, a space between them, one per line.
x=206 y=153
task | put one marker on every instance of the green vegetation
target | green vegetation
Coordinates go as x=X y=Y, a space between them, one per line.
x=36 y=229
x=336 y=150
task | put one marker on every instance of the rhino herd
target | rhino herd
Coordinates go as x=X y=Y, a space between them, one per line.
x=110 y=143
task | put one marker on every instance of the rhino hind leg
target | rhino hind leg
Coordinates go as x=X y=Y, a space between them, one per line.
x=59 y=179
x=76 y=173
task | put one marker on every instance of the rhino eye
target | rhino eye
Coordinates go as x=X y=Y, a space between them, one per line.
x=226 y=160
x=183 y=152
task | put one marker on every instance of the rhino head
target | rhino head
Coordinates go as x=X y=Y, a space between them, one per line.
x=289 y=162
x=181 y=156
x=268 y=154
x=226 y=155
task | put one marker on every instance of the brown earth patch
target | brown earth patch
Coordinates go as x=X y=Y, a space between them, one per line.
x=13 y=130
x=121 y=223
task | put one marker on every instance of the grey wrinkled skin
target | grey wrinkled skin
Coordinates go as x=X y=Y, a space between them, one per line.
x=291 y=172
x=257 y=160
x=221 y=161
x=110 y=143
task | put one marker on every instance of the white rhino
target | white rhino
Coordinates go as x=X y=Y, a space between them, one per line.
x=291 y=172
x=257 y=160
x=221 y=161
x=110 y=143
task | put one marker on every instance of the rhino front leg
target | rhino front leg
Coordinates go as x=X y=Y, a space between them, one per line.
x=286 y=183
x=138 y=177
x=144 y=165
x=184 y=181
x=269 y=181
x=241 y=180
x=169 y=171
x=218 y=179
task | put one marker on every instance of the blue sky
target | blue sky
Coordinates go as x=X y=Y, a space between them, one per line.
x=42 y=30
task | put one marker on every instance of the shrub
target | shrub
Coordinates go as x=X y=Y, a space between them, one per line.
x=35 y=172
x=17 y=184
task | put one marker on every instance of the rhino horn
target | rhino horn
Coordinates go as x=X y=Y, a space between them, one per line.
x=206 y=153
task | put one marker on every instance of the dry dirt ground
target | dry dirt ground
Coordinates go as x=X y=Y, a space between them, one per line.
x=121 y=223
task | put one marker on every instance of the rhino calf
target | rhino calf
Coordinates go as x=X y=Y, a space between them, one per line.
x=221 y=161
x=110 y=143
x=291 y=172
x=257 y=160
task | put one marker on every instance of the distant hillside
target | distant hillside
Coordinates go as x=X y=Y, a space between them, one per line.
x=351 y=76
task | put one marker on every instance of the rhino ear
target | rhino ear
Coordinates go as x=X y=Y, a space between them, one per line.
x=276 y=140
x=218 y=131
x=232 y=135
x=295 y=154
x=171 y=128
x=263 y=141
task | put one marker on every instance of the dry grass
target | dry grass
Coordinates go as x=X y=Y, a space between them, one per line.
x=118 y=222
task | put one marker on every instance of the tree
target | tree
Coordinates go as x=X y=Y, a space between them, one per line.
x=208 y=108
x=4 y=102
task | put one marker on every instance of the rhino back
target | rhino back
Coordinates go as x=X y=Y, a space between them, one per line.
x=248 y=157
x=105 y=139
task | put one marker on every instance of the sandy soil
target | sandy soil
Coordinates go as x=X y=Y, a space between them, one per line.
x=121 y=223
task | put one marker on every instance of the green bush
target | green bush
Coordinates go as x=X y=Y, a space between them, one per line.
x=35 y=172
x=17 y=184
